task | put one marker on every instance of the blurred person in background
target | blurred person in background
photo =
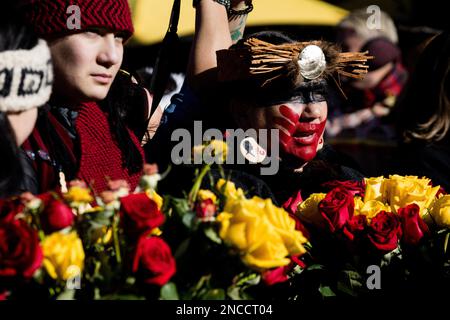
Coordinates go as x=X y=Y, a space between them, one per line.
x=423 y=116
x=370 y=99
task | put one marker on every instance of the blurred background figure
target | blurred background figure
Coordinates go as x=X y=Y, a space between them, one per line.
x=26 y=78
x=354 y=32
x=173 y=86
x=423 y=116
x=370 y=100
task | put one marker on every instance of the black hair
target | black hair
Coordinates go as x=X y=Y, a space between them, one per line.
x=123 y=96
x=13 y=36
x=11 y=173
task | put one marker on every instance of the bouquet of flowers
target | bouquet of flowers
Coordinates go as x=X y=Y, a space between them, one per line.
x=77 y=245
x=399 y=224
x=118 y=244
x=229 y=246
x=232 y=247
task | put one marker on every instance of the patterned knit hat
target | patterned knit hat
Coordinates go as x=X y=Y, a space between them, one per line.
x=56 y=17
x=26 y=78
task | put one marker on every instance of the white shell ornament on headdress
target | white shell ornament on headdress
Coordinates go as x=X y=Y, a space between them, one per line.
x=312 y=62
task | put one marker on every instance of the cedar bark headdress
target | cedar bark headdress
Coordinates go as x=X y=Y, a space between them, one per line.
x=264 y=66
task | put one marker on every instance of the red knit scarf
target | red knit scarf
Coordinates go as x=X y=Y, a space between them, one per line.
x=101 y=157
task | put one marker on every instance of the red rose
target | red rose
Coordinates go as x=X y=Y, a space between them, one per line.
x=20 y=252
x=337 y=208
x=413 y=227
x=293 y=202
x=274 y=276
x=205 y=210
x=384 y=231
x=153 y=261
x=139 y=214
x=280 y=274
x=354 y=187
x=355 y=226
x=9 y=209
x=56 y=214
x=299 y=226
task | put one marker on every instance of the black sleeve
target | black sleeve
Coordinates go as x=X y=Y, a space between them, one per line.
x=30 y=179
x=137 y=117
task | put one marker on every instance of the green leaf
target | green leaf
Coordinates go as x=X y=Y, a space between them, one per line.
x=352 y=282
x=326 y=291
x=391 y=256
x=315 y=267
x=214 y=294
x=234 y=293
x=169 y=292
x=189 y=220
x=182 y=248
x=249 y=279
x=181 y=206
x=212 y=235
x=238 y=293
x=66 y=295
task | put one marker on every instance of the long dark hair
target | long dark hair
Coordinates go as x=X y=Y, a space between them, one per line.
x=423 y=111
x=13 y=36
x=123 y=96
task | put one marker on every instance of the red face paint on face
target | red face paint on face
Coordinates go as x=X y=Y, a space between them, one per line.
x=298 y=139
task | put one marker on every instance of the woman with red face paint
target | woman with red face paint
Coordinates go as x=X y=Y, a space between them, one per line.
x=94 y=123
x=267 y=81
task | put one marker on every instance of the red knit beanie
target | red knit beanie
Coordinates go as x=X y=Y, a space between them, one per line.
x=50 y=17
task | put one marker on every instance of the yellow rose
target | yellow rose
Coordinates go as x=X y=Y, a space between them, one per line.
x=371 y=208
x=404 y=190
x=203 y=195
x=359 y=203
x=63 y=255
x=155 y=197
x=78 y=194
x=264 y=234
x=215 y=149
x=270 y=254
x=374 y=189
x=308 y=210
x=260 y=246
x=231 y=193
x=285 y=226
x=441 y=211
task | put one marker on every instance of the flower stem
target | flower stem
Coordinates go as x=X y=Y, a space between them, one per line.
x=198 y=182
x=115 y=229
